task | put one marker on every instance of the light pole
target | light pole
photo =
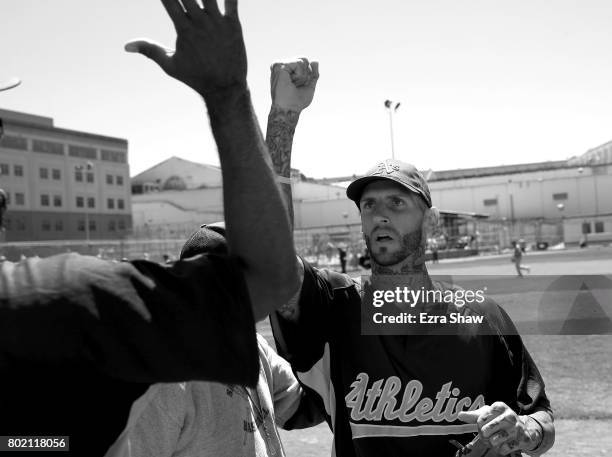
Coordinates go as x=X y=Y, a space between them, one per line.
x=87 y=167
x=392 y=109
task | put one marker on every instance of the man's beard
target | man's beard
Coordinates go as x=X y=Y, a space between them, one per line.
x=409 y=244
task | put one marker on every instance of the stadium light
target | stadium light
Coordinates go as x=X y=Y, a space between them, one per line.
x=392 y=109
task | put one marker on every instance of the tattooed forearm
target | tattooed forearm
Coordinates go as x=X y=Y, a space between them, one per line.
x=279 y=138
x=542 y=430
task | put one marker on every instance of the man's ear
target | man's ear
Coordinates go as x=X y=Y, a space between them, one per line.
x=431 y=218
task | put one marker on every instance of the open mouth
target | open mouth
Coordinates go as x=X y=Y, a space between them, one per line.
x=383 y=238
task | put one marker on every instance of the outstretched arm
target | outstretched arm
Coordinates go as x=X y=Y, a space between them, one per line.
x=210 y=58
x=292 y=87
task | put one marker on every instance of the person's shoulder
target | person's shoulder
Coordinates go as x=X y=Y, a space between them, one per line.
x=333 y=279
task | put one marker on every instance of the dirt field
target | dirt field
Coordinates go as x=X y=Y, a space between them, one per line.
x=577 y=369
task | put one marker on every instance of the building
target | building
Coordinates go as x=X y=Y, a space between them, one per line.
x=62 y=184
x=553 y=201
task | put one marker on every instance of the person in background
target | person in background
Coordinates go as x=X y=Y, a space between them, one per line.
x=342 y=256
x=517 y=258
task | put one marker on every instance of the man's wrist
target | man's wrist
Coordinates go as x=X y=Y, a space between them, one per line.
x=534 y=432
x=225 y=95
x=280 y=112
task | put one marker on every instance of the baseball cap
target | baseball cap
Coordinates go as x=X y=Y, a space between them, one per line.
x=402 y=173
x=209 y=238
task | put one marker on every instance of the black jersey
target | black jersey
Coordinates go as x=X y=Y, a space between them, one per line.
x=401 y=395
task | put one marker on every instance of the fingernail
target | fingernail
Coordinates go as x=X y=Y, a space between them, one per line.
x=131 y=47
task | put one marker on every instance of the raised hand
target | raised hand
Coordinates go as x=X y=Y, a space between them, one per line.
x=293 y=84
x=210 y=55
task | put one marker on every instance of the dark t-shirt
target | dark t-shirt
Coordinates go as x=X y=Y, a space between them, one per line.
x=400 y=395
x=82 y=338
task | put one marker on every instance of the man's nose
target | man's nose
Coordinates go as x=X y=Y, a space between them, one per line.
x=380 y=217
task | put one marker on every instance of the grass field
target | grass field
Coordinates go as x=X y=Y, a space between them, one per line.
x=577 y=369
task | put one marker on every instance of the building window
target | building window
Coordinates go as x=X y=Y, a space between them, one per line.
x=113 y=156
x=91 y=202
x=599 y=227
x=48 y=147
x=92 y=225
x=43 y=173
x=109 y=179
x=44 y=200
x=82 y=152
x=586 y=227
x=14 y=142
x=4 y=169
x=90 y=176
x=110 y=203
x=46 y=226
x=81 y=225
x=19 y=198
x=57 y=201
x=80 y=202
x=59 y=225
x=120 y=203
x=56 y=174
x=121 y=224
x=78 y=175
x=18 y=170
x=560 y=196
x=111 y=225
x=489 y=202
x=119 y=180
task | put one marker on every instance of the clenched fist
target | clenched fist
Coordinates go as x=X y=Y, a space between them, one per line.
x=293 y=84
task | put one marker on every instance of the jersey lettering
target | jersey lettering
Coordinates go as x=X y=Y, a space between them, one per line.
x=413 y=407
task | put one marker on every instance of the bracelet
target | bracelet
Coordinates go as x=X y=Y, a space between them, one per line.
x=283 y=179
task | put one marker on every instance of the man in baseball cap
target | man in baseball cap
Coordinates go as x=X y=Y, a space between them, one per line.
x=396 y=213
x=402 y=173
x=406 y=394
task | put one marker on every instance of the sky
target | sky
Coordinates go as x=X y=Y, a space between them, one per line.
x=480 y=82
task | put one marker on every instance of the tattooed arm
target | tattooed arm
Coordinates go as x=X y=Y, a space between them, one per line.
x=292 y=86
x=279 y=138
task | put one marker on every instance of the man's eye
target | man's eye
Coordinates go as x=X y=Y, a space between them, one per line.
x=397 y=202
x=367 y=205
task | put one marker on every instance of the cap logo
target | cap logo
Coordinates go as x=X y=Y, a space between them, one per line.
x=388 y=166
